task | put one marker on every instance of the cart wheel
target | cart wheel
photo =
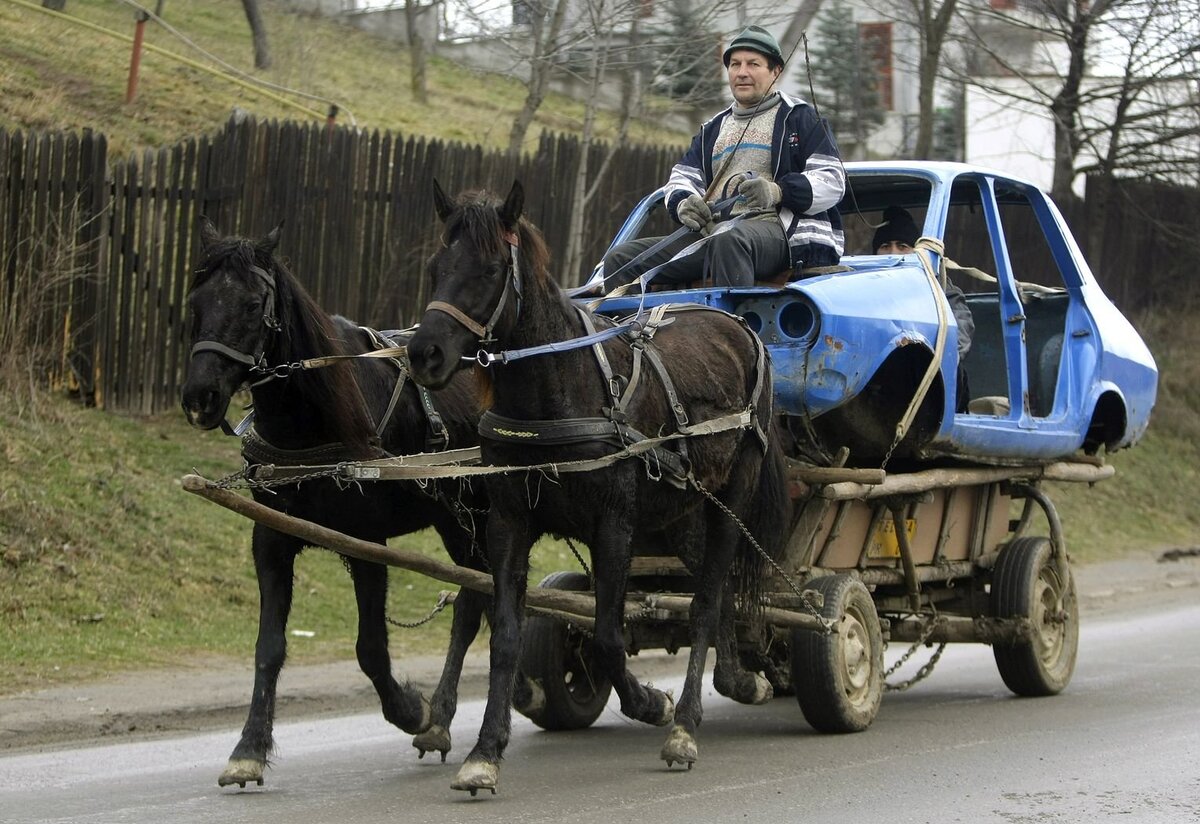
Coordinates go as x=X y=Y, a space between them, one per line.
x=839 y=677
x=560 y=657
x=1026 y=584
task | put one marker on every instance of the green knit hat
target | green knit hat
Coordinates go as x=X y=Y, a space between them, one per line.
x=758 y=39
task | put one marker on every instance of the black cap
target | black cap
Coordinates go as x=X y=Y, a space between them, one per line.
x=758 y=39
x=898 y=225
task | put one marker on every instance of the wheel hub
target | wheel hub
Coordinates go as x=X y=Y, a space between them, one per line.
x=856 y=659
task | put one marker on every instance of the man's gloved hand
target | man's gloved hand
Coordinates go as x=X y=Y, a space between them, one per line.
x=694 y=213
x=760 y=193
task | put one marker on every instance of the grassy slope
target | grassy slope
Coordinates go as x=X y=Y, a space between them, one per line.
x=59 y=75
x=105 y=563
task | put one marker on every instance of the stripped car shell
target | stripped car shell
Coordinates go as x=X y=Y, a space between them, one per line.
x=1054 y=367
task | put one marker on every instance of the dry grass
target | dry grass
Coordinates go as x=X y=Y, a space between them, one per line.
x=60 y=75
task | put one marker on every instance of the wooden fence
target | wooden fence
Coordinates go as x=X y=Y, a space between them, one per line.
x=95 y=256
x=358 y=225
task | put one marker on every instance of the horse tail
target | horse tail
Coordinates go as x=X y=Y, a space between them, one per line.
x=767 y=518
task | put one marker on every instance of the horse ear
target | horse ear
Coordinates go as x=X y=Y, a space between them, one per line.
x=510 y=212
x=208 y=233
x=271 y=240
x=441 y=201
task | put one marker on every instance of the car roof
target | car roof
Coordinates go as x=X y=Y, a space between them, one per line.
x=908 y=183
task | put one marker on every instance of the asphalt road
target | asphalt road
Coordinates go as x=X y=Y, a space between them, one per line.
x=1121 y=744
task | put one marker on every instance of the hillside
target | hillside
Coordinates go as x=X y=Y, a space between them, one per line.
x=61 y=73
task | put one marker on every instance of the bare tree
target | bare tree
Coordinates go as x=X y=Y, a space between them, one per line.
x=262 y=53
x=416 y=51
x=1123 y=98
x=934 y=24
x=544 y=40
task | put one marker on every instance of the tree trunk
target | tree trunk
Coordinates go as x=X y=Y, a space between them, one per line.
x=539 y=71
x=933 y=36
x=416 y=51
x=573 y=254
x=1065 y=108
x=262 y=53
x=804 y=14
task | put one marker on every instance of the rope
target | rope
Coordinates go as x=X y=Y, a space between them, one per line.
x=170 y=55
x=929 y=246
x=235 y=70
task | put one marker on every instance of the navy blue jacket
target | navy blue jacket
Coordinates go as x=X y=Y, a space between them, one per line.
x=807 y=168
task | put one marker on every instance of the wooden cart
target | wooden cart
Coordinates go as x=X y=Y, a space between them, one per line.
x=928 y=557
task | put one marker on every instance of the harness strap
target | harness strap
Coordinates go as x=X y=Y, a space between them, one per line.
x=460 y=463
x=610 y=381
x=453 y=311
x=760 y=379
x=555 y=432
x=643 y=337
x=222 y=349
x=258 y=451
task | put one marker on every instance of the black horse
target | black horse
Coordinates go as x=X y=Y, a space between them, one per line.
x=250 y=318
x=493 y=266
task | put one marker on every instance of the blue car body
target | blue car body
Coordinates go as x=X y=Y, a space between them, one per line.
x=1053 y=367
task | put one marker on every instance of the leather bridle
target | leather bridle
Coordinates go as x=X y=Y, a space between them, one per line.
x=255 y=362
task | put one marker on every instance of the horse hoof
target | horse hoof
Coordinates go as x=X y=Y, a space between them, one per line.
x=240 y=771
x=536 y=705
x=680 y=747
x=476 y=775
x=763 y=691
x=434 y=739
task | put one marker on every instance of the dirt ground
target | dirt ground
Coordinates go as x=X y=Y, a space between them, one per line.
x=214 y=694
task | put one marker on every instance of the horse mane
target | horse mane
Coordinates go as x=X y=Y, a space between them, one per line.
x=306 y=331
x=477 y=218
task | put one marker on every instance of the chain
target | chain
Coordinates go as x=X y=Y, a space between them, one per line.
x=240 y=480
x=443 y=599
x=925 y=669
x=587 y=570
x=827 y=624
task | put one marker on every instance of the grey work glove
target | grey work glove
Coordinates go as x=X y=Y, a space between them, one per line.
x=760 y=193
x=694 y=213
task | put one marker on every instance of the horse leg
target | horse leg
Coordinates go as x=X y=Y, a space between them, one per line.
x=643 y=703
x=730 y=677
x=704 y=617
x=509 y=541
x=468 y=612
x=469 y=607
x=402 y=704
x=274 y=565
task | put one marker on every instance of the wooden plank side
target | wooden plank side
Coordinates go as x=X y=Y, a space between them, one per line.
x=89 y=326
x=159 y=297
x=173 y=287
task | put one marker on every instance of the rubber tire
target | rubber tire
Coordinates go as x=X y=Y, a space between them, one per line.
x=1025 y=583
x=558 y=657
x=830 y=700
